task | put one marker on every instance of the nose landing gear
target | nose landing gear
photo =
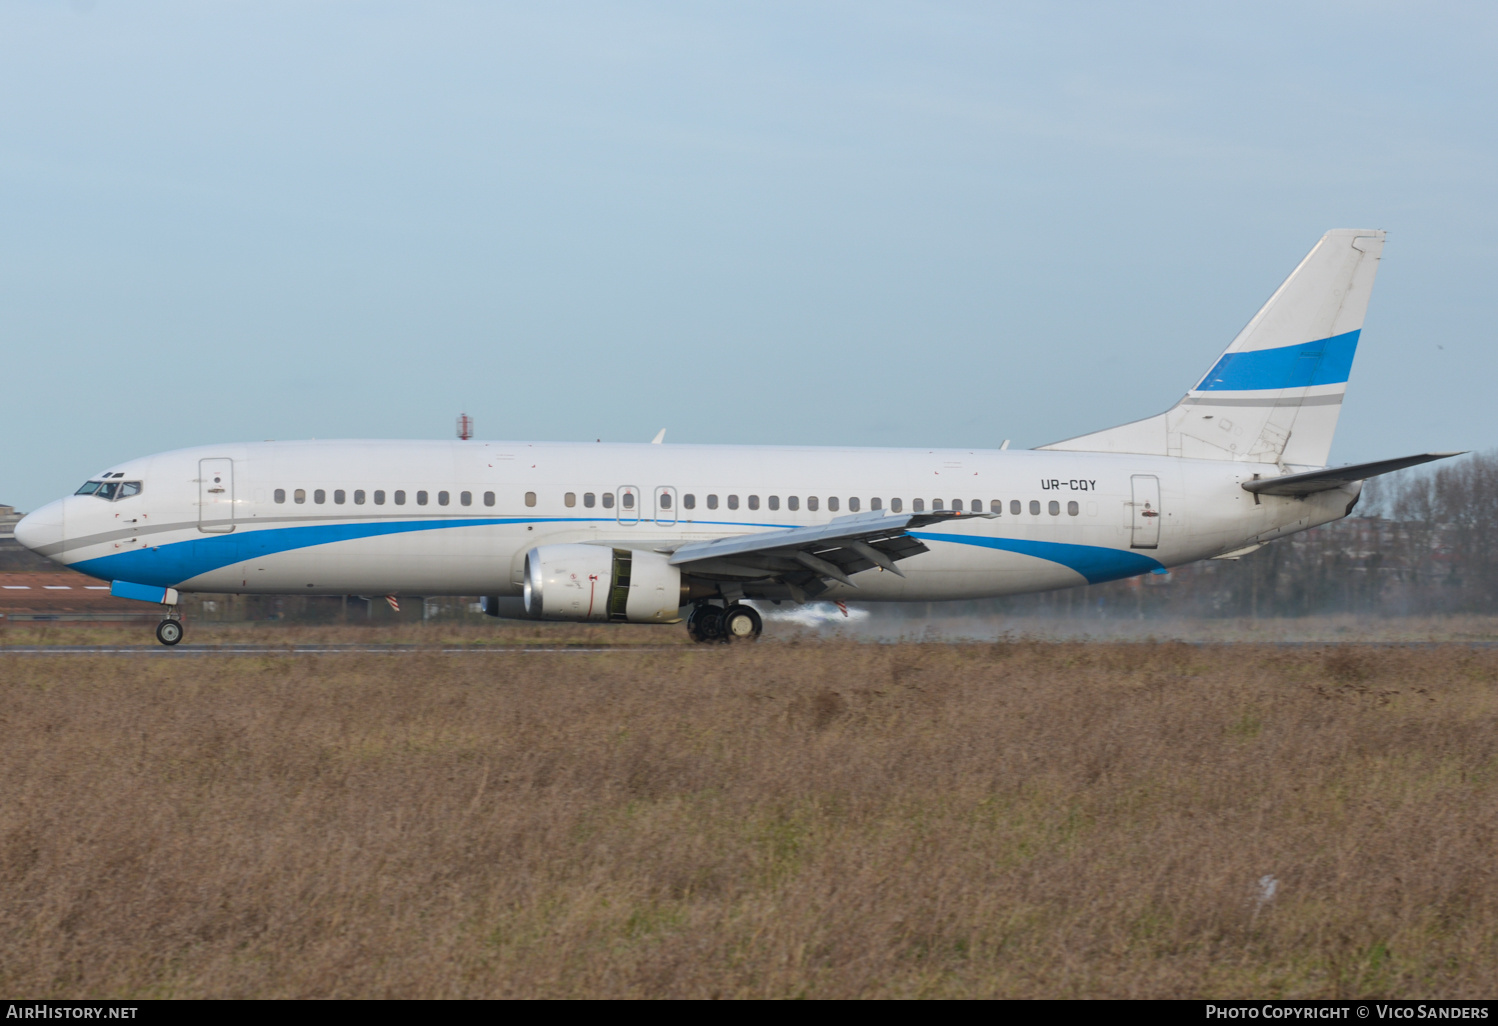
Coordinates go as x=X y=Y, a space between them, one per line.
x=169 y=631
x=712 y=623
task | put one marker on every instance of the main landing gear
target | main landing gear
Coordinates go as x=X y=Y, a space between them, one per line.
x=714 y=623
x=169 y=631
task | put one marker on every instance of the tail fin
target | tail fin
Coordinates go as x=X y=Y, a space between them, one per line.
x=1275 y=395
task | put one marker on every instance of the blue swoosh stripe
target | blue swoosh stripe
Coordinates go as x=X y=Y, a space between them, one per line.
x=1094 y=562
x=168 y=565
x=1324 y=362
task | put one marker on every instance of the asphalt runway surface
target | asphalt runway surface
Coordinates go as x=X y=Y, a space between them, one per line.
x=240 y=650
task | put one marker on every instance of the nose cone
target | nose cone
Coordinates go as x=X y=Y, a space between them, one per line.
x=42 y=531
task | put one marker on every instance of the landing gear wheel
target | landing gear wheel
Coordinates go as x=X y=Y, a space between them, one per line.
x=169 y=632
x=741 y=623
x=705 y=623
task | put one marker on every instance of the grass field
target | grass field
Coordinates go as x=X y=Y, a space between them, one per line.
x=882 y=626
x=784 y=819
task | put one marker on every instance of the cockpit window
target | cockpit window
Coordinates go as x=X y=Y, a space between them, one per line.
x=110 y=491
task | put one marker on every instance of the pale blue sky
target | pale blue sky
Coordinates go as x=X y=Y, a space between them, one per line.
x=838 y=223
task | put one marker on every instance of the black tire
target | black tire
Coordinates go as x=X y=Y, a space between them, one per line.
x=169 y=632
x=705 y=623
x=741 y=623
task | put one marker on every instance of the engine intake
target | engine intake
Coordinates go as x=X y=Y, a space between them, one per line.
x=593 y=583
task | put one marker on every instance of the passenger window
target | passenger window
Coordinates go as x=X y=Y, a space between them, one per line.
x=400 y=498
x=1014 y=507
x=280 y=494
x=733 y=502
x=811 y=503
x=793 y=502
x=569 y=500
x=379 y=497
x=996 y=506
x=466 y=498
x=627 y=500
x=712 y=502
x=853 y=504
x=319 y=496
x=589 y=499
x=895 y=505
x=358 y=497
x=878 y=503
x=530 y=498
x=442 y=498
x=832 y=503
x=1072 y=509
x=935 y=504
x=608 y=500
x=300 y=495
x=689 y=501
x=488 y=498
x=1053 y=508
x=421 y=498
x=956 y=505
x=754 y=502
x=665 y=500
x=1035 y=507
x=340 y=496
x=774 y=502
x=917 y=505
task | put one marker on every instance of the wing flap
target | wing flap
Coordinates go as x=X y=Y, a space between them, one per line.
x=806 y=557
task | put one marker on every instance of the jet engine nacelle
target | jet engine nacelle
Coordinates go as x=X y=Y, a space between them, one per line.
x=595 y=583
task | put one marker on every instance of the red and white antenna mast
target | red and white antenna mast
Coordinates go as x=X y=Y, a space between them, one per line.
x=465 y=426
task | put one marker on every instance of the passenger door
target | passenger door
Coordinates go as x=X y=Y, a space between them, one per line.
x=216 y=496
x=1146 y=515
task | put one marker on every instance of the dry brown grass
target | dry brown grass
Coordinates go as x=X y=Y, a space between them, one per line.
x=776 y=820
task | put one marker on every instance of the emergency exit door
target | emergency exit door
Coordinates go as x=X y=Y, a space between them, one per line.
x=629 y=504
x=1146 y=507
x=665 y=506
x=216 y=496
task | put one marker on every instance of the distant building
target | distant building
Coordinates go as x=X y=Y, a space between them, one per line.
x=8 y=520
x=13 y=557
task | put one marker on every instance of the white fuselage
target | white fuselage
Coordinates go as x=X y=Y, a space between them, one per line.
x=266 y=518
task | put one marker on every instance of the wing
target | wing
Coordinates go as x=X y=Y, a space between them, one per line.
x=804 y=559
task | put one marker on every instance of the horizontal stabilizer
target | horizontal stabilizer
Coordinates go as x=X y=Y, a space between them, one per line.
x=1300 y=485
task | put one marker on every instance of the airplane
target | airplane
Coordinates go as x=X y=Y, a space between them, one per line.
x=657 y=533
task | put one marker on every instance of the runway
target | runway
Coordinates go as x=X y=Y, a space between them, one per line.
x=317 y=650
